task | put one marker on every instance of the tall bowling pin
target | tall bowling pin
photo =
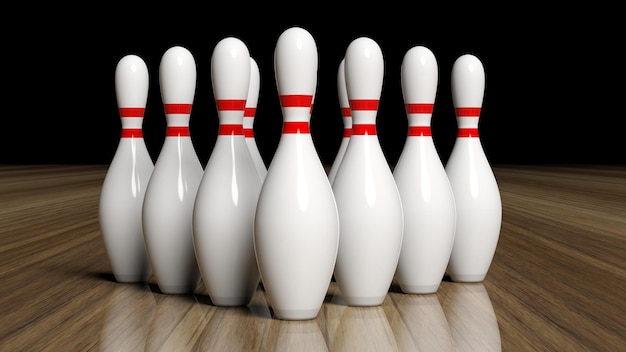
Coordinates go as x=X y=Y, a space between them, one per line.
x=124 y=186
x=427 y=198
x=476 y=192
x=227 y=196
x=248 y=119
x=344 y=107
x=369 y=205
x=171 y=193
x=296 y=228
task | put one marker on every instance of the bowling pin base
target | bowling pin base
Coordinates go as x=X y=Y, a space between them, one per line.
x=295 y=314
x=419 y=289
x=467 y=277
x=131 y=278
x=364 y=301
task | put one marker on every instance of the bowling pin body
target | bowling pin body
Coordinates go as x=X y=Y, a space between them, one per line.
x=476 y=192
x=124 y=186
x=171 y=193
x=227 y=196
x=346 y=116
x=369 y=205
x=296 y=224
x=427 y=198
x=248 y=119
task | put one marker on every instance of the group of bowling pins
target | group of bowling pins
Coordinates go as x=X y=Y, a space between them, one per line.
x=292 y=226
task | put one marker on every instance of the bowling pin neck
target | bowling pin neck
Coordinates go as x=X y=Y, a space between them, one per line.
x=132 y=123
x=364 y=112
x=347 y=117
x=177 y=114
x=181 y=120
x=132 y=118
x=248 y=122
x=296 y=108
x=419 y=114
x=467 y=118
x=230 y=111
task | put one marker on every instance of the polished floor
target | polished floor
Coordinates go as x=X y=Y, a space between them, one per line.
x=557 y=281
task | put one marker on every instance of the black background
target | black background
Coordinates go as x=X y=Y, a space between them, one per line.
x=554 y=80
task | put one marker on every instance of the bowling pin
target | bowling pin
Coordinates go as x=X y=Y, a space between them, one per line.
x=369 y=205
x=248 y=119
x=476 y=192
x=124 y=186
x=227 y=196
x=427 y=198
x=171 y=193
x=344 y=107
x=296 y=227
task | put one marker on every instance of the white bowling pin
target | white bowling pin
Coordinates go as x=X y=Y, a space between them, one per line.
x=124 y=186
x=248 y=119
x=369 y=205
x=476 y=192
x=344 y=107
x=226 y=200
x=296 y=224
x=171 y=193
x=427 y=198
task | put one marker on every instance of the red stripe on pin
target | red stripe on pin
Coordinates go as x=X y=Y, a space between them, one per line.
x=345 y=112
x=296 y=127
x=178 y=108
x=249 y=112
x=364 y=129
x=177 y=131
x=248 y=132
x=132 y=112
x=230 y=104
x=132 y=133
x=296 y=101
x=468 y=112
x=347 y=132
x=364 y=104
x=419 y=108
x=419 y=131
x=468 y=132
x=231 y=129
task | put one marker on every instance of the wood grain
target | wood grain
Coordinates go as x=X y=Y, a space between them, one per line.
x=557 y=282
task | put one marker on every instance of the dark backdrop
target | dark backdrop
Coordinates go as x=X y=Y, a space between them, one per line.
x=554 y=81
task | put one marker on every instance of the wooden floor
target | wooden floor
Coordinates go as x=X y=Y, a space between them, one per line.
x=557 y=282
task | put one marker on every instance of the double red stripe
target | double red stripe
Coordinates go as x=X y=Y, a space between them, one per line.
x=248 y=132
